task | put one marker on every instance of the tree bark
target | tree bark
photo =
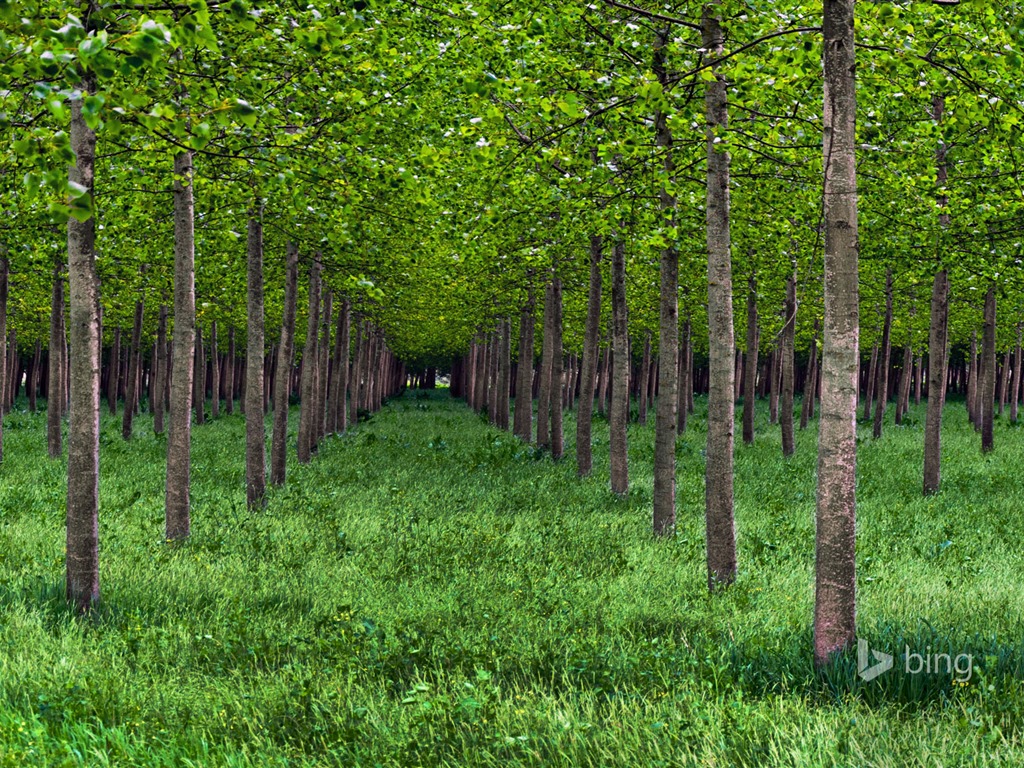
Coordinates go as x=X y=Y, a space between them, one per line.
x=161 y=366
x=937 y=362
x=972 y=383
x=787 y=353
x=720 y=523
x=557 y=436
x=987 y=395
x=872 y=375
x=1015 y=385
x=918 y=373
x=618 y=415
x=255 y=432
x=356 y=374
x=504 y=373
x=83 y=500
x=285 y=361
x=307 y=413
x=338 y=415
x=750 y=372
x=544 y=394
x=835 y=568
x=1004 y=382
x=134 y=360
x=585 y=411
x=4 y=270
x=903 y=392
x=229 y=374
x=33 y=382
x=882 y=385
x=114 y=370
x=685 y=380
x=523 y=419
x=214 y=373
x=179 y=439
x=774 y=379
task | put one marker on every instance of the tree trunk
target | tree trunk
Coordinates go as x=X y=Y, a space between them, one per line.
x=987 y=395
x=872 y=375
x=338 y=415
x=972 y=383
x=33 y=382
x=161 y=365
x=356 y=373
x=492 y=376
x=255 y=432
x=179 y=441
x=1004 y=382
x=750 y=372
x=4 y=270
x=323 y=369
x=83 y=501
x=882 y=385
x=307 y=413
x=504 y=373
x=618 y=412
x=229 y=374
x=720 y=524
x=285 y=361
x=937 y=361
x=215 y=373
x=585 y=411
x=544 y=394
x=557 y=436
x=787 y=353
x=1015 y=385
x=835 y=569
x=522 y=425
x=774 y=379
x=134 y=360
x=903 y=393
x=113 y=385
x=918 y=365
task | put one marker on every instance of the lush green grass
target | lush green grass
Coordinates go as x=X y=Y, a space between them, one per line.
x=431 y=592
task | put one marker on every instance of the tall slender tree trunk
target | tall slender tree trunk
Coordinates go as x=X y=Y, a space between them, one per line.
x=523 y=418
x=987 y=395
x=918 y=373
x=774 y=379
x=356 y=374
x=199 y=382
x=179 y=440
x=307 y=413
x=547 y=359
x=787 y=353
x=903 y=393
x=323 y=369
x=720 y=524
x=872 y=375
x=255 y=432
x=161 y=372
x=492 y=376
x=750 y=372
x=1004 y=382
x=882 y=385
x=4 y=270
x=618 y=412
x=229 y=374
x=835 y=570
x=557 y=435
x=285 y=361
x=214 y=373
x=135 y=355
x=504 y=373
x=1015 y=385
x=585 y=411
x=338 y=417
x=33 y=382
x=83 y=500
x=663 y=516
x=113 y=384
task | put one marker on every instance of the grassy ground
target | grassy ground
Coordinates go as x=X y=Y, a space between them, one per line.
x=431 y=592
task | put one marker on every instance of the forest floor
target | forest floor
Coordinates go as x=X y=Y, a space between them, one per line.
x=430 y=591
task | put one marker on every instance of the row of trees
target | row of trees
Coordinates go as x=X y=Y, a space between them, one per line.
x=451 y=173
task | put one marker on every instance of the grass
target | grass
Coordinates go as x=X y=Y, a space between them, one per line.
x=429 y=591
